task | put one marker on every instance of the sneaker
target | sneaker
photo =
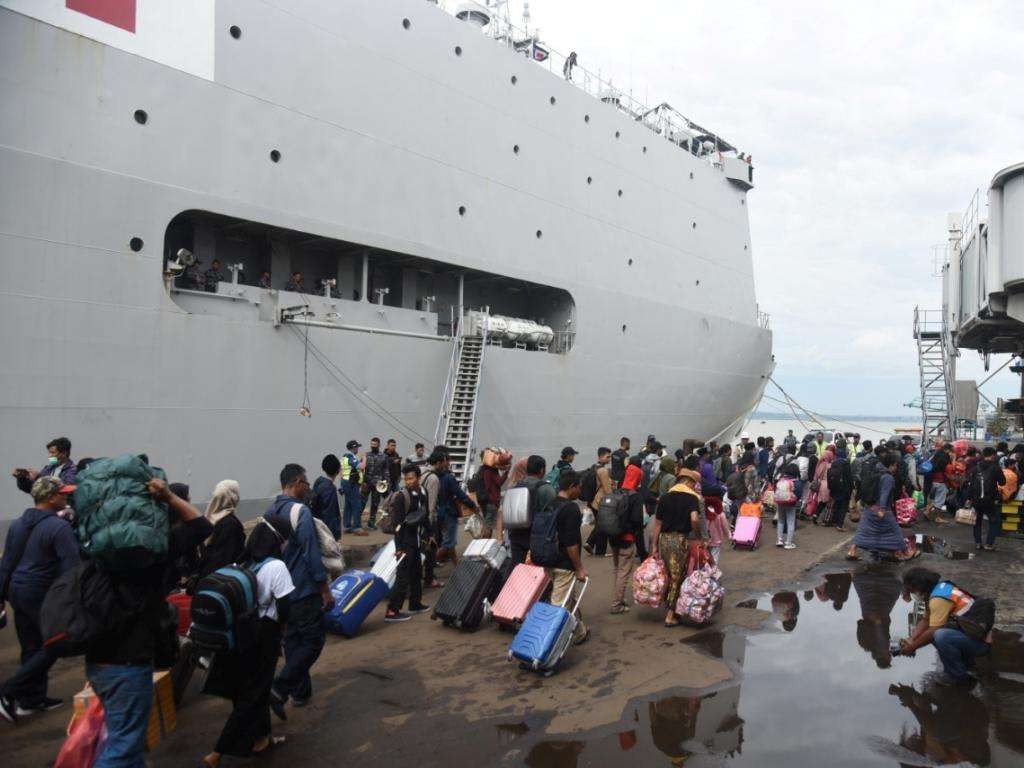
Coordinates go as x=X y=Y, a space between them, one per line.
x=588 y=548
x=394 y=616
x=372 y=526
x=47 y=704
x=277 y=702
x=779 y=543
x=617 y=609
x=583 y=639
x=789 y=546
x=8 y=710
x=419 y=609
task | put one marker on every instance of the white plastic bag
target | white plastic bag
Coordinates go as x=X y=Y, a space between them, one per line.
x=474 y=526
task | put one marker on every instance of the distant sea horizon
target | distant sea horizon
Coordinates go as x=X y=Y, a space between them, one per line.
x=773 y=415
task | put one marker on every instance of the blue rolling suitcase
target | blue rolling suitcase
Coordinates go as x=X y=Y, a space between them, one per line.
x=546 y=634
x=356 y=594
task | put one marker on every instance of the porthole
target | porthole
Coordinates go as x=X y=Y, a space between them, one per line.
x=744 y=247
x=462 y=210
x=539 y=234
x=515 y=149
x=586 y=118
x=623 y=327
x=630 y=263
x=590 y=179
x=275 y=156
x=141 y=117
x=616 y=134
x=234 y=31
x=458 y=50
x=620 y=193
x=406 y=23
x=552 y=100
x=697 y=283
x=136 y=244
x=691 y=174
x=514 y=79
x=742 y=201
x=695 y=225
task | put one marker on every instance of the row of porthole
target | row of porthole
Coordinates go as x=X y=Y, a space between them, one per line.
x=142 y=117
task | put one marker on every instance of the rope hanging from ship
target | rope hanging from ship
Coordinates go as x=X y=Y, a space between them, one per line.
x=816 y=418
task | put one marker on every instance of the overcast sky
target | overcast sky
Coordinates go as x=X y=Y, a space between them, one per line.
x=868 y=123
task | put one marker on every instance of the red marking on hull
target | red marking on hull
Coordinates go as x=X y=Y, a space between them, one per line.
x=119 y=13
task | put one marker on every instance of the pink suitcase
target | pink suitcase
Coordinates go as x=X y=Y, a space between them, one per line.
x=524 y=587
x=747 y=532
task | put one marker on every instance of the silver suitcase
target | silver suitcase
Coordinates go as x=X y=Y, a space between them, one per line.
x=515 y=508
x=488 y=550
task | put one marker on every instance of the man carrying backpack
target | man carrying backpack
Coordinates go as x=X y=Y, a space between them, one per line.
x=983 y=494
x=939 y=489
x=595 y=484
x=555 y=544
x=40 y=546
x=443 y=490
x=620 y=459
x=840 y=485
x=305 y=634
x=957 y=623
x=542 y=494
x=410 y=512
x=324 y=499
x=375 y=469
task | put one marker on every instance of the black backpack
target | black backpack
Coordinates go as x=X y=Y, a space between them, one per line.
x=983 y=482
x=618 y=467
x=544 y=534
x=977 y=621
x=613 y=513
x=838 y=483
x=83 y=605
x=314 y=502
x=588 y=484
x=870 y=481
x=224 y=616
x=736 y=486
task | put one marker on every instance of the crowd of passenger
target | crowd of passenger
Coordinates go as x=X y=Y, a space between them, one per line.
x=677 y=502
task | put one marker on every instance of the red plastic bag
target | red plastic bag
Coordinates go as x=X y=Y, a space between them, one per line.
x=87 y=736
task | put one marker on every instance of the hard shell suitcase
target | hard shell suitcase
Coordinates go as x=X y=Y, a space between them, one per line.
x=499 y=582
x=747 y=532
x=385 y=564
x=356 y=594
x=524 y=587
x=515 y=508
x=546 y=634
x=488 y=550
x=461 y=603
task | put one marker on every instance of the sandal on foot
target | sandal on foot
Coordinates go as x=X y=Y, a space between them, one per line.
x=853 y=558
x=273 y=743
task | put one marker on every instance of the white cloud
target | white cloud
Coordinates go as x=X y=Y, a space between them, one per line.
x=868 y=123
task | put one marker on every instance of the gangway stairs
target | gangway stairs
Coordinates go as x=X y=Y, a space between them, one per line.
x=459 y=402
x=936 y=365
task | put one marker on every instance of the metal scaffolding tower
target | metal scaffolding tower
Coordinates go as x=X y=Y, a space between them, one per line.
x=936 y=362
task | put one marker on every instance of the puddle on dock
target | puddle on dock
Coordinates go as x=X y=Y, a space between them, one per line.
x=933 y=545
x=825 y=690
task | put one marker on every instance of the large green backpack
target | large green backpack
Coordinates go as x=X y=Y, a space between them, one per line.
x=119 y=523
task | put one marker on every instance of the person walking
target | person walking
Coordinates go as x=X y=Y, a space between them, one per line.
x=245 y=676
x=619 y=462
x=410 y=511
x=443 y=493
x=326 y=495
x=788 y=492
x=982 y=492
x=599 y=485
x=840 y=485
x=40 y=546
x=225 y=545
x=568 y=574
x=878 y=530
x=305 y=635
x=542 y=494
x=676 y=519
x=375 y=474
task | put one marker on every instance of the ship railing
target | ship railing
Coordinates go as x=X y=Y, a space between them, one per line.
x=449 y=384
x=562 y=342
x=467 y=468
x=764 y=320
x=662 y=119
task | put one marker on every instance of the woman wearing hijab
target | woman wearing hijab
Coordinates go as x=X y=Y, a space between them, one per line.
x=676 y=519
x=819 y=486
x=245 y=675
x=227 y=542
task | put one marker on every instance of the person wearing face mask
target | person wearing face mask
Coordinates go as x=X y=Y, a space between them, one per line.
x=59 y=465
x=40 y=546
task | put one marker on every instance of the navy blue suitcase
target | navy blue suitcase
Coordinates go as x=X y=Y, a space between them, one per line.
x=356 y=594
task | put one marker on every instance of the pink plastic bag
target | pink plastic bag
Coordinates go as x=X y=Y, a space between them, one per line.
x=650 y=581
x=86 y=737
x=906 y=511
x=701 y=594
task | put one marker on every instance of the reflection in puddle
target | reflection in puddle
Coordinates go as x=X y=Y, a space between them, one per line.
x=933 y=545
x=826 y=691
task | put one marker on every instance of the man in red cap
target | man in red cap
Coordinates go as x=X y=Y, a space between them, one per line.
x=40 y=546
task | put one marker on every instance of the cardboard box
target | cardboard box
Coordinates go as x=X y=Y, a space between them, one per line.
x=162 y=719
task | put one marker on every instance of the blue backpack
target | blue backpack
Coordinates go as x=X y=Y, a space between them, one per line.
x=544 y=535
x=224 y=615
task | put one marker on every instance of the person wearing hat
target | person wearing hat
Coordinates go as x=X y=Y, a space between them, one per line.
x=351 y=479
x=40 y=546
x=743 y=447
x=677 y=518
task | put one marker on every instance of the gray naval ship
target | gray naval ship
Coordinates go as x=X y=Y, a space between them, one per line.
x=495 y=246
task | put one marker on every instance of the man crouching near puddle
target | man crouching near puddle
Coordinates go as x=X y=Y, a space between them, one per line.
x=956 y=622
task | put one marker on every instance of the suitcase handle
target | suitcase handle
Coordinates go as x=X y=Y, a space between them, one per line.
x=568 y=594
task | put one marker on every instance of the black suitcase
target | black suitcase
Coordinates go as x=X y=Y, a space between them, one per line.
x=500 y=578
x=461 y=603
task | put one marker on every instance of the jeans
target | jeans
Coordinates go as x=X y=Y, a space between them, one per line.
x=449 y=526
x=408 y=581
x=518 y=551
x=303 y=642
x=28 y=685
x=994 y=513
x=957 y=651
x=787 y=523
x=126 y=692
x=375 y=497
x=353 y=506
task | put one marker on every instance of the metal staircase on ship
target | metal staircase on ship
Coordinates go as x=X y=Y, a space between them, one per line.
x=457 y=418
x=936 y=363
